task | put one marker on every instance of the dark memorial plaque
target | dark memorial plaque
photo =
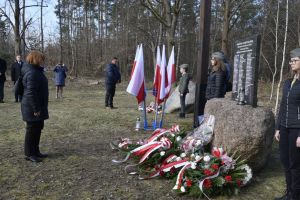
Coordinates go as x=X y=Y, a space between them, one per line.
x=245 y=72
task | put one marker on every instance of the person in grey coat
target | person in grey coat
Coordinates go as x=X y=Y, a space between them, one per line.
x=60 y=71
x=183 y=88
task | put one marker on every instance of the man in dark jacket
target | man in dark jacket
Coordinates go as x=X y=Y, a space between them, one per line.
x=15 y=74
x=2 y=78
x=112 y=77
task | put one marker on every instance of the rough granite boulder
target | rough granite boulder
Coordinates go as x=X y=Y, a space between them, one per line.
x=244 y=129
x=173 y=102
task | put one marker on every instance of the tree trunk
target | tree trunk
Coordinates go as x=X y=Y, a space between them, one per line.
x=17 y=28
x=226 y=24
x=42 y=30
x=283 y=56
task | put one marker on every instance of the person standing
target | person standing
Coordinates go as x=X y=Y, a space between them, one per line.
x=288 y=129
x=2 y=78
x=112 y=77
x=34 y=105
x=183 y=88
x=60 y=71
x=15 y=74
x=217 y=77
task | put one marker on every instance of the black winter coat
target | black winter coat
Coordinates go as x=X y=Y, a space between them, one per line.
x=216 y=85
x=289 y=111
x=112 y=74
x=16 y=70
x=2 y=70
x=35 y=97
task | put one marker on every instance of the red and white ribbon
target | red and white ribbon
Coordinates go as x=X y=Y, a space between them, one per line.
x=147 y=149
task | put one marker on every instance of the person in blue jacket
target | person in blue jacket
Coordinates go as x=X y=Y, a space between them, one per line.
x=60 y=71
x=288 y=130
x=112 y=77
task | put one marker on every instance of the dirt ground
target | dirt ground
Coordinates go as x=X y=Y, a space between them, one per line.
x=77 y=137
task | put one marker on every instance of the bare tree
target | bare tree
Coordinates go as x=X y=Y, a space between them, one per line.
x=283 y=56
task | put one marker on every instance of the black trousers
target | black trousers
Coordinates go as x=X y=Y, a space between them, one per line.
x=110 y=93
x=32 y=138
x=290 y=158
x=1 y=90
x=17 y=97
x=182 y=104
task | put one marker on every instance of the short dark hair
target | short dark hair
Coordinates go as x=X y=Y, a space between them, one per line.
x=114 y=58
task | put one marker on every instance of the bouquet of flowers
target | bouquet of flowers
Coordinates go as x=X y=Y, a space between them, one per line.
x=172 y=153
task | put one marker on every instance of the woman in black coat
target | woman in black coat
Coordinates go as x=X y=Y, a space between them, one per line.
x=217 y=77
x=288 y=130
x=34 y=106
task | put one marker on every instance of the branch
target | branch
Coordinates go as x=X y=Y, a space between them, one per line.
x=37 y=5
x=236 y=10
x=233 y=23
x=150 y=7
x=262 y=54
x=11 y=7
x=5 y=15
x=26 y=25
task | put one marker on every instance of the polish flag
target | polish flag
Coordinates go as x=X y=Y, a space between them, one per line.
x=163 y=78
x=135 y=58
x=157 y=73
x=136 y=86
x=171 y=72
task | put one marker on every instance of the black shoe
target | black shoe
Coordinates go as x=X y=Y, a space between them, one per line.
x=42 y=155
x=112 y=107
x=33 y=159
x=1 y=101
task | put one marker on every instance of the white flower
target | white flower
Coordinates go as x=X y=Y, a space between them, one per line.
x=162 y=153
x=206 y=158
x=178 y=159
x=182 y=155
x=197 y=158
x=198 y=143
x=193 y=165
x=248 y=176
x=182 y=189
x=172 y=135
x=178 y=138
x=192 y=155
x=175 y=187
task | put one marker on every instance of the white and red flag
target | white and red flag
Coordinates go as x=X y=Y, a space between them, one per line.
x=135 y=58
x=161 y=94
x=171 y=72
x=136 y=86
x=157 y=73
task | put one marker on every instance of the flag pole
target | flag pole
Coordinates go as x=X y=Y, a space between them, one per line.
x=156 y=114
x=162 y=115
x=145 y=115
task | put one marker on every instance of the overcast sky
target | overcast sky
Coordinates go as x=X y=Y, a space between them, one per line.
x=49 y=17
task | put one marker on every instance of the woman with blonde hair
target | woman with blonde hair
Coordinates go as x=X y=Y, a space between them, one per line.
x=34 y=105
x=217 y=77
x=288 y=130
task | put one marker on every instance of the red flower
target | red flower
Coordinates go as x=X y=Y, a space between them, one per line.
x=156 y=167
x=207 y=172
x=161 y=173
x=189 y=183
x=216 y=153
x=207 y=183
x=173 y=170
x=239 y=183
x=228 y=178
x=215 y=166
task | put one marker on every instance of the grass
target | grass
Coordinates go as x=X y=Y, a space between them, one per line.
x=77 y=137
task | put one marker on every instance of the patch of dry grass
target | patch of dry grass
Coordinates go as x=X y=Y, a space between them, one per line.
x=79 y=167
